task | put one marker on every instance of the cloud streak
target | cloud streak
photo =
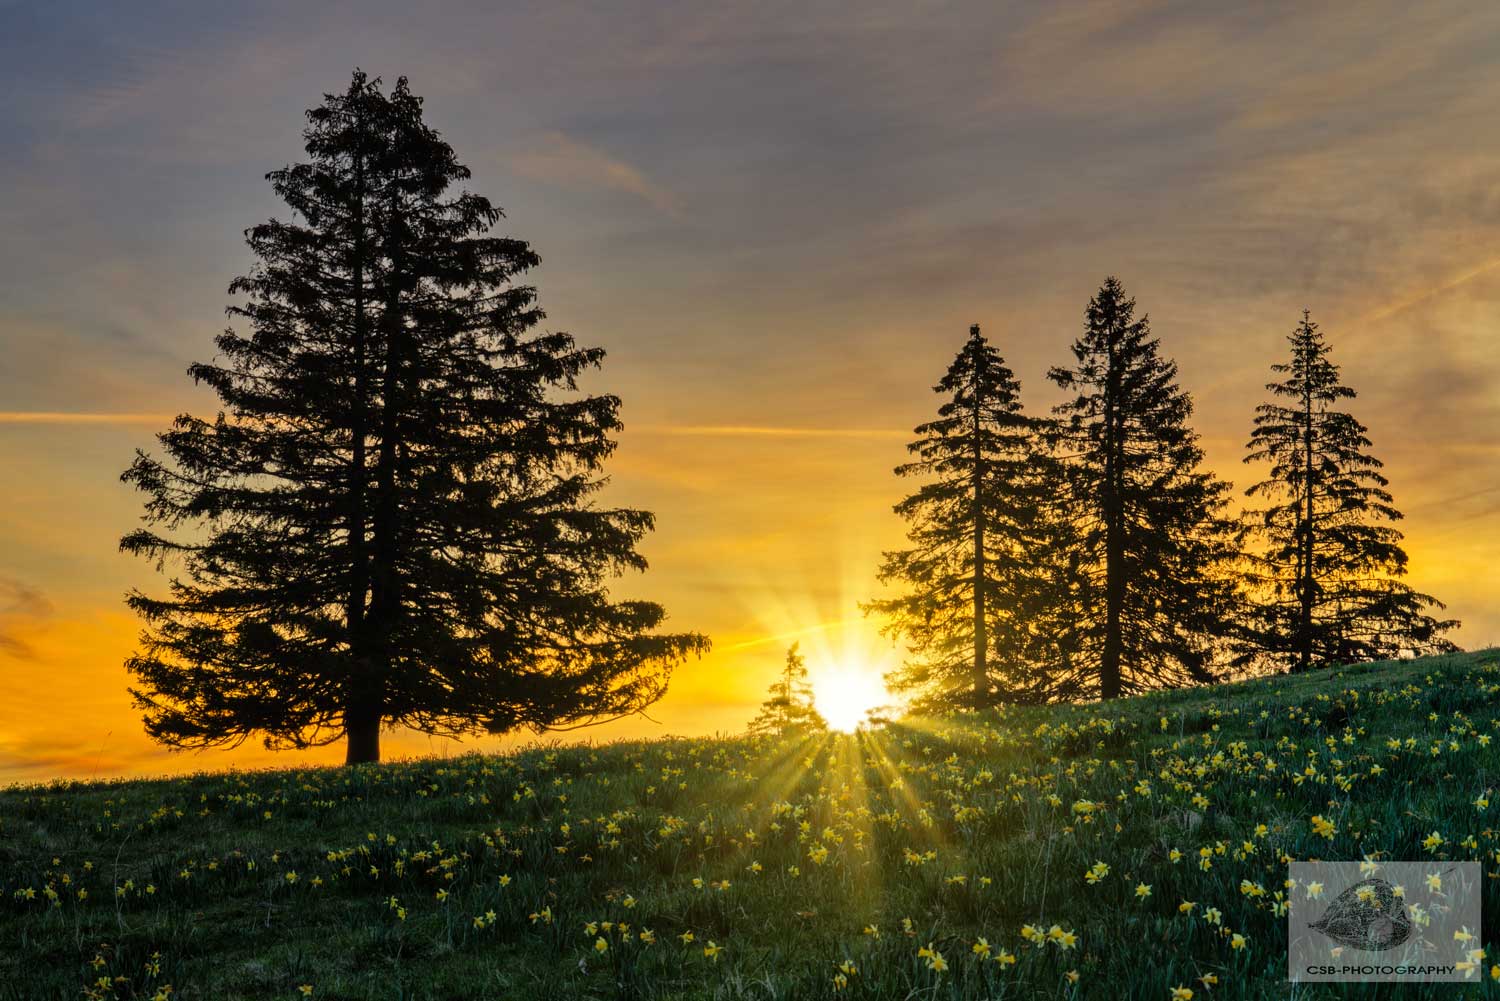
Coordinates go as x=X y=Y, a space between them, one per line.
x=559 y=159
x=20 y=605
x=79 y=417
x=767 y=431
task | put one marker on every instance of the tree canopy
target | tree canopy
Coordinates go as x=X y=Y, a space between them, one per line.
x=394 y=519
x=1328 y=560
x=789 y=707
x=1151 y=548
x=969 y=606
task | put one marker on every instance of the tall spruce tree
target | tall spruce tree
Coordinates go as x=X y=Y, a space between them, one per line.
x=970 y=586
x=1151 y=544
x=790 y=708
x=392 y=521
x=1327 y=570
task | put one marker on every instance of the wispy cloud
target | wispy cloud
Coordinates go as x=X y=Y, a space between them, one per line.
x=69 y=417
x=752 y=431
x=1392 y=309
x=558 y=159
x=790 y=634
x=19 y=603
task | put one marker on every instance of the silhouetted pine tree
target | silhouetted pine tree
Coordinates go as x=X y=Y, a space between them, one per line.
x=970 y=584
x=391 y=522
x=1326 y=573
x=790 y=708
x=1151 y=545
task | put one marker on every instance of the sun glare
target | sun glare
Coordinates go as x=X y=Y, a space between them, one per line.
x=844 y=694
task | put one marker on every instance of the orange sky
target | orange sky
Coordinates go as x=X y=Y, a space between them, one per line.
x=779 y=221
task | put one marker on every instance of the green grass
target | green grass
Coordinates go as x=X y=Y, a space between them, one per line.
x=189 y=882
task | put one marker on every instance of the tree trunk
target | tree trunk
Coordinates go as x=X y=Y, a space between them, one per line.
x=981 y=638
x=1304 y=621
x=362 y=730
x=359 y=571
x=362 y=721
x=1110 y=686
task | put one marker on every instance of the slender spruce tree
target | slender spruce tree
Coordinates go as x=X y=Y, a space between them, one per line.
x=969 y=584
x=1151 y=545
x=1327 y=567
x=789 y=708
x=392 y=520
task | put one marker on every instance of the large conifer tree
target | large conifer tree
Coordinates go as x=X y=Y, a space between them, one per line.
x=970 y=586
x=1328 y=567
x=1151 y=544
x=391 y=521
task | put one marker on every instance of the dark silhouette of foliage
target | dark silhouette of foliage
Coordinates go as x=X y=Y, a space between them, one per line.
x=1148 y=547
x=968 y=612
x=392 y=520
x=790 y=708
x=1327 y=568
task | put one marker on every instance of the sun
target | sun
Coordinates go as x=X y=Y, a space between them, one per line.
x=845 y=693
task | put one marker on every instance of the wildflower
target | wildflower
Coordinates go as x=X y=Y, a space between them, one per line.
x=1142 y=890
x=935 y=960
x=687 y=938
x=1064 y=940
x=601 y=946
x=1213 y=916
x=711 y=951
x=1433 y=841
x=647 y=936
x=305 y=990
x=1238 y=941
x=1314 y=890
x=1435 y=883
x=1182 y=994
x=1096 y=873
x=1209 y=979
x=1005 y=958
x=1186 y=907
x=981 y=949
x=1324 y=827
x=1072 y=976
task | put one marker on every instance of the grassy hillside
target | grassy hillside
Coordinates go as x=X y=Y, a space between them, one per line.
x=910 y=862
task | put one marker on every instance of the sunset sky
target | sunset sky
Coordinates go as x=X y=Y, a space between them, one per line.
x=779 y=220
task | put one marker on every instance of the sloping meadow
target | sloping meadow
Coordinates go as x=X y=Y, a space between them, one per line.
x=1136 y=849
